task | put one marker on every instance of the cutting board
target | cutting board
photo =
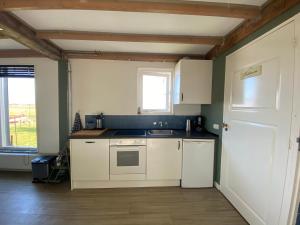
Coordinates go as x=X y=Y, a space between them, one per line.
x=88 y=133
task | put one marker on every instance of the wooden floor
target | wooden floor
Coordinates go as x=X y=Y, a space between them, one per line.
x=22 y=202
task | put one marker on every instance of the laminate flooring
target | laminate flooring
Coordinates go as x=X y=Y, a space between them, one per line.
x=24 y=203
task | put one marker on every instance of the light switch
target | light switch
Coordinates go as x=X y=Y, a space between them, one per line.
x=216 y=126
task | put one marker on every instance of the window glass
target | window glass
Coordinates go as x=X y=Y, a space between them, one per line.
x=128 y=158
x=21 y=112
x=154 y=91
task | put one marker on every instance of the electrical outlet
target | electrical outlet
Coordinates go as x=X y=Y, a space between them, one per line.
x=216 y=126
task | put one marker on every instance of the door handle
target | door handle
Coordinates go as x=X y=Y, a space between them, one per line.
x=225 y=126
x=179 y=145
x=89 y=142
x=182 y=96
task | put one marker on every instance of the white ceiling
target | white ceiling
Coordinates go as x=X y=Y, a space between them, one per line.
x=109 y=46
x=127 y=22
x=133 y=22
x=10 y=44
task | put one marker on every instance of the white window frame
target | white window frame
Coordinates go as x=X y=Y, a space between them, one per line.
x=154 y=72
x=3 y=112
x=4 y=123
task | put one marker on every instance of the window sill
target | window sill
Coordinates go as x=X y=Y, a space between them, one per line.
x=16 y=151
x=155 y=113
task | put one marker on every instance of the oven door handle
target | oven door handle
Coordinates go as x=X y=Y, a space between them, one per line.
x=126 y=148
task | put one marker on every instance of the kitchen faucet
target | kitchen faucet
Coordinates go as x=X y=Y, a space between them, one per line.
x=161 y=124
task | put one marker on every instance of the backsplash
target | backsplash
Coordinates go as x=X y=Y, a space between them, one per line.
x=142 y=121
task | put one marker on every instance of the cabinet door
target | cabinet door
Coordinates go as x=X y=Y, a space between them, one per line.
x=176 y=85
x=198 y=163
x=90 y=159
x=193 y=82
x=164 y=159
x=196 y=81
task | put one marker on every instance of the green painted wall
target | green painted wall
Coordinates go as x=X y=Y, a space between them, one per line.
x=214 y=112
x=63 y=102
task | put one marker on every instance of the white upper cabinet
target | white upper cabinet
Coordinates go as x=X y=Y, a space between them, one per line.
x=193 y=82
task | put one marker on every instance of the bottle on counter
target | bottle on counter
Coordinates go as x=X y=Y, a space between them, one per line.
x=99 y=121
x=188 y=126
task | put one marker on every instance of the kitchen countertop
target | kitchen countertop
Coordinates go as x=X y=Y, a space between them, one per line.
x=111 y=134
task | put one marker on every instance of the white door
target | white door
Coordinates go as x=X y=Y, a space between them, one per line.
x=90 y=159
x=257 y=109
x=164 y=159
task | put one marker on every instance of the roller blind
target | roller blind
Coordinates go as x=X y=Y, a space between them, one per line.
x=16 y=71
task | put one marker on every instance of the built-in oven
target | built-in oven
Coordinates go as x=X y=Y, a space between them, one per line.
x=127 y=159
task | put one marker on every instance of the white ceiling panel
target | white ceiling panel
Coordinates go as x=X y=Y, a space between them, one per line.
x=242 y=2
x=108 y=46
x=10 y=44
x=128 y=22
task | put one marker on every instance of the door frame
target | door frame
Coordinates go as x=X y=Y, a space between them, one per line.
x=291 y=195
x=292 y=187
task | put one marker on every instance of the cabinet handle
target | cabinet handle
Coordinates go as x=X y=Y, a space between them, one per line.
x=182 y=97
x=179 y=145
x=89 y=142
x=198 y=142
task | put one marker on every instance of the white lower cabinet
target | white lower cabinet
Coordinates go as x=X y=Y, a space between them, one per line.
x=198 y=163
x=169 y=160
x=164 y=159
x=90 y=159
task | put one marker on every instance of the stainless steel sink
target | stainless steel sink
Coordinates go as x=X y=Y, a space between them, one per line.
x=161 y=132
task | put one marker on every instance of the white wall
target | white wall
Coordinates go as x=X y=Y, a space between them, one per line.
x=16 y=162
x=46 y=78
x=111 y=87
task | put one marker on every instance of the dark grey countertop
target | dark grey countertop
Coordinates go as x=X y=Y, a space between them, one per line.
x=111 y=134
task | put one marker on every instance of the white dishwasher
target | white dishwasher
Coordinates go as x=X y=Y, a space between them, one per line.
x=198 y=163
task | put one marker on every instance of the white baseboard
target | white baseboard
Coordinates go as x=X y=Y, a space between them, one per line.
x=217 y=185
x=75 y=184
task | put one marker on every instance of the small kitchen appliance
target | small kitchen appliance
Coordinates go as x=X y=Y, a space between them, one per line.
x=200 y=124
x=99 y=121
x=93 y=122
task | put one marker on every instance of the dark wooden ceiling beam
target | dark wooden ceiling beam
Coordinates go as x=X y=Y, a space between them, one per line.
x=22 y=33
x=96 y=36
x=19 y=53
x=149 y=57
x=2 y=36
x=168 y=7
x=269 y=12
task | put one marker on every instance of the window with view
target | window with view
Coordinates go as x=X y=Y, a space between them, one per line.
x=154 y=91
x=18 y=111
